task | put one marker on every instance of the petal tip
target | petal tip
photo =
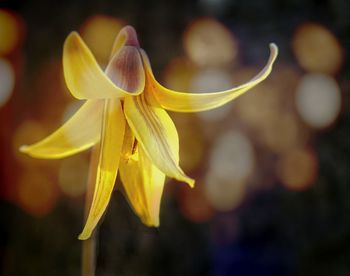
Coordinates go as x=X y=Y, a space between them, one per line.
x=84 y=236
x=131 y=36
x=151 y=223
x=24 y=148
x=190 y=182
x=74 y=34
x=71 y=37
x=273 y=49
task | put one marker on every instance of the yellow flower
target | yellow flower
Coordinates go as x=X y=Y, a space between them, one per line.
x=124 y=114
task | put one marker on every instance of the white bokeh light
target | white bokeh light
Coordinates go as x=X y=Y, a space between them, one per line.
x=232 y=156
x=318 y=100
x=223 y=194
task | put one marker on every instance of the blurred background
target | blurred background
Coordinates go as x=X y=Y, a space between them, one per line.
x=272 y=168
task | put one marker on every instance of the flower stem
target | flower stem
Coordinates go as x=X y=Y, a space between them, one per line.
x=89 y=256
x=89 y=246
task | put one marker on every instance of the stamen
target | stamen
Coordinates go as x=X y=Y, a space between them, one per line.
x=134 y=147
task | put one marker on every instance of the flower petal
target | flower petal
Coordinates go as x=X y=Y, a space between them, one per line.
x=126 y=36
x=156 y=133
x=77 y=134
x=143 y=183
x=84 y=77
x=110 y=149
x=125 y=69
x=195 y=102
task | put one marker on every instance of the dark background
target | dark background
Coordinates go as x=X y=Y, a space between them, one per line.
x=276 y=231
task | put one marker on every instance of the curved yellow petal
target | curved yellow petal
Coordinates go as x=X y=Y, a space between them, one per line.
x=110 y=148
x=80 y=132
x=142 y=181
x=195 y=102
x=84 y=77
x=156 y=133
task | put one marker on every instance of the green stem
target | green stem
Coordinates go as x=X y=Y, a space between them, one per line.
x=89 y=246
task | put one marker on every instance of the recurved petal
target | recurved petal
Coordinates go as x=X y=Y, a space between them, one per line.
x=80 y=132
x=156 y=133
x=84 y=77
x=110 y=149
x=143 y=184
x=195 y=102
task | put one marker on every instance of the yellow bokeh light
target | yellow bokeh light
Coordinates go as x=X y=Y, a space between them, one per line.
x=297 y=169
x=99 y=32
x=317 y=49
x=73 y=176
x=259 y=105
x=28 y=132
x=9 y=32
x=36 y=193
x=192 y=147
x=179 y=73
x=209 y=43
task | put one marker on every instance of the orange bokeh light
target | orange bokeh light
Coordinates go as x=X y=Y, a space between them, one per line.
x=297 y=169
x=282 y=133
x=27 y=133
x=317 y=49
x=36 y=193
x=194 y=205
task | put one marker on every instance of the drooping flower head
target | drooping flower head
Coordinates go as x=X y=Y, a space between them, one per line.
x=124 y=116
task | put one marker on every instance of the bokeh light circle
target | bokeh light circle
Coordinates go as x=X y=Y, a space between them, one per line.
x=209 y=43
x=9 y=32
x=232 y=156
x=27 y=133
x=194 y=204
x=178 y=74
x=36 y=193
x=297 y=169
x=73 y=176
x=192 y=146
x=224 y=194
x=318 y=100
x=99 y=32
x=317 y=49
